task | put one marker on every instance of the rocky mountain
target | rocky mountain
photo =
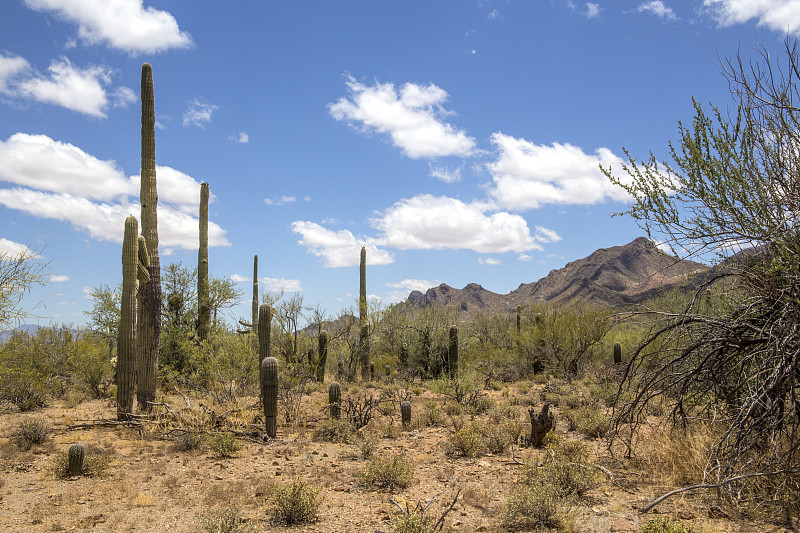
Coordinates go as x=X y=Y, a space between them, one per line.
x=616 y=276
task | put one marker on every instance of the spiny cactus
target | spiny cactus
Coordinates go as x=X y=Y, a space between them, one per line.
x=269 y=394
x=617 y=353
x=255 y=291
x=150 y=315
x=126 y=333
x=322 y=359
x=75 y=460
x=363 y=336
x=264 y=330
x=335 y=399
x=372 y=371
x=203 y=308
x=452 y=352
x=405 y=413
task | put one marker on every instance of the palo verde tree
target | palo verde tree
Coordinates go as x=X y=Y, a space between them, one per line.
x=733 y=184
x=18 y=273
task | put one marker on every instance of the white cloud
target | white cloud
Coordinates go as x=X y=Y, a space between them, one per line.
x=528 y=175
x=430 y=222
x=14 y=248
x=777 y=15
x=411 y=118
x=68 y=86
x=546 y=235
x=489 y=261
x=281 y=200
x=199 y=113
x=525 y=258
x=123 y=24
x=280 y=284
x=592 y=10
x=58 y=278
x=237 y=278
x=421 y=285
x=338 y=248
x=242 y=138
x=60 y=181
x=444 y=173
x=495 y=15
x=657 y=8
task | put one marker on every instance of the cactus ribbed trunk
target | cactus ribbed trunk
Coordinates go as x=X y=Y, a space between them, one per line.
x=363 y=336
x=203 y=307
x=255 y=291
x=617 y=353
x=269 y=395
x=335 y=400
x=405 y=413
x=75 y=459
x=126 y=333
x=150 y=315
x=452 y=353
x=322 y=358
x=264 y=324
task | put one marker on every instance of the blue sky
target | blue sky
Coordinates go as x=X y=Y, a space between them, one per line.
x=458 y=140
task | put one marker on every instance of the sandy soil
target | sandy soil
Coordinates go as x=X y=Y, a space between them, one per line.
x=149 y=485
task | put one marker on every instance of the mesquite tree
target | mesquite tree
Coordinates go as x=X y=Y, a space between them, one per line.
x=149 y=326
x=733 y=183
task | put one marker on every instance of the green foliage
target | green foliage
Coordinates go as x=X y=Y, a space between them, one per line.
x=95 y=464
x=18 y=273
x=225 y=520
x=388 y=473
x=467 y=440
x=588 y=420
x=296 y=502
x=663 y=524
x=30 y=432
x=334 y=430
x=223 y=444
x=568 y=471
x=189 y=439
x=534 y=508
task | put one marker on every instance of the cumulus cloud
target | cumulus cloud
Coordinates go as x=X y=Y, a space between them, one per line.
x=8 y=247
x=58 y=278
x=281 y=284
x=777 y=15
x=338 y=248
x=492 y=261
x=657 y=8
x=57 y=180
x=280 y=200
x=123 y=24
x=242 y=138
x=421 y=285
x=444 y=173
x=528 y=175
x=439 y=222
x=411 y=117
x=65 y=85
x=199 y=113
x=590 y=10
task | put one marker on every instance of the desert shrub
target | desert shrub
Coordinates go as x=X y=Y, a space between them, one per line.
x=30 y=432
x=418 y=519
x=588 y=420
x=387 y=473
x=225 y=520
x=367 y=445
x=223 y=444
x=295 y=502
x=334 y=430
x=568 y=471
x=679 y=455
x=22 y=388
x=663 y=524
x=188 y=440
x=468 y=441
x=431 y=414
x=92 y=368
x=535 y=507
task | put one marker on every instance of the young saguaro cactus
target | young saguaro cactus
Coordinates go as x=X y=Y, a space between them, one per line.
x=150 y=316
x=363 y=335
x=322 y=359
x=335 y=400
x=452 y=352
x=203 y=308
x=126 y=333
x=617 y=353
x=269 y=394
x=75 y=460
x=405 y=413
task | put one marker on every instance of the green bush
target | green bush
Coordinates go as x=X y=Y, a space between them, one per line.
x=588 y=420
x=223 y=444
x=95 y=464
x=225 y=520
x=296 y=502
x=534 y=508
x=30 y=432
x=568 y=471
x=388 y=473
x=334 y=430
x=467 y=441
x=661 y=524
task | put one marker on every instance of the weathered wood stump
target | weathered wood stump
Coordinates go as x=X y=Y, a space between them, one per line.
x=541 y=423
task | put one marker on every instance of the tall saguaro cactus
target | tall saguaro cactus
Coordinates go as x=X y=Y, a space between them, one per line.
x=264 y=325
x=255 y=291
x=203 y=307
x=269 y=394
x=150 y=316
x=322 y=359
x=452 y=352
x=126 y=333
x=363 y=336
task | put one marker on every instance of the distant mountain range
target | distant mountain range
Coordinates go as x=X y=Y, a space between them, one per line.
x=616 y=276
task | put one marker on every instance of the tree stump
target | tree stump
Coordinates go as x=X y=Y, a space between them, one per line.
x=540 y=424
